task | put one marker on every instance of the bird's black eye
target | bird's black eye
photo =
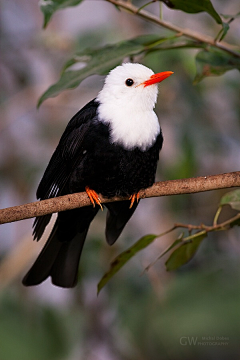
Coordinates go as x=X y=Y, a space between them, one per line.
x=129 y=82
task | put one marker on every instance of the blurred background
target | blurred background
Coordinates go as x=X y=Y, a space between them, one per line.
x=192 y=313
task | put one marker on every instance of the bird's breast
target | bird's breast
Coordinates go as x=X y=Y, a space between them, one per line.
x=129 y=127
x=111 y=169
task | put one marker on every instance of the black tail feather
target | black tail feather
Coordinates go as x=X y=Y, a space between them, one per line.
x=39 y=225
x=59 y=260
x=45 y=260
x=60 y=256
x=64 y=271
x=117 y=217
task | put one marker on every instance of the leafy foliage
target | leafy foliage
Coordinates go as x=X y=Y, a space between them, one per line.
x=184 y=247
x=49 y=7
x=214 y=62
x=99 y=61
x=184 y=252
x=232 y=198
x=194 y=7
x=124 y=257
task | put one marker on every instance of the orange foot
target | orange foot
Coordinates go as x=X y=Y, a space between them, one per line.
x=93 y=196
x=133 y=198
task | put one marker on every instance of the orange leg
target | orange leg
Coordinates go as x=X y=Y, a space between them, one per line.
x=133 y=198
x=93 y=196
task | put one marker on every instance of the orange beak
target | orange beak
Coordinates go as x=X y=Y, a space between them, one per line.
x=156 y=78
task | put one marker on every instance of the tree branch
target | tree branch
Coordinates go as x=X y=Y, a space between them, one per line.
x=128 y=6
x=162 y=188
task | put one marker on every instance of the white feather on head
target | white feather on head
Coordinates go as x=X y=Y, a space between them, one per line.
x=129 y=109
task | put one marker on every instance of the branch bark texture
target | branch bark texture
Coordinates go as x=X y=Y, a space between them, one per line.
x=162 y=188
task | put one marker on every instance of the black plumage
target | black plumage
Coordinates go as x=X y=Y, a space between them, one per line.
x=85 y=157
x=111 y=146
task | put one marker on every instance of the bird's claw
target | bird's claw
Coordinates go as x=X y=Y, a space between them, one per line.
x=93 y=196
x=133 y=198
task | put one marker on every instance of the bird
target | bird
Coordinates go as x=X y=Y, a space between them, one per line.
x=109 y=147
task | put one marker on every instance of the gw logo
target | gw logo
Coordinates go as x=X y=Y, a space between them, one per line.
x=187 y=340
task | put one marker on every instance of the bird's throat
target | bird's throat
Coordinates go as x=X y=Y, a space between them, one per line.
x=130 y=129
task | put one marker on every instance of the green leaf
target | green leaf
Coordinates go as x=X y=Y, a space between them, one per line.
x=49 y=7
x=192 y=7
x=232 y=198
x=184 y=252
x=214 y=62
x=175 y=243
x=124 y=257
x=99 y=61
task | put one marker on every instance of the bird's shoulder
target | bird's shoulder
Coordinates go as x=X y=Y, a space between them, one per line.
x=75 y=132
x=83 y=116
x=63 y=159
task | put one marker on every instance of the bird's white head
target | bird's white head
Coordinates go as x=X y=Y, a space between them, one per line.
x=127 y=100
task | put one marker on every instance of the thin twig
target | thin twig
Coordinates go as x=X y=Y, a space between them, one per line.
x=202 y=230
x=208 y=228
x=163 y=188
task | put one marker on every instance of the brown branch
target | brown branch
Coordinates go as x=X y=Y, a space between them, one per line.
x=128 y=6
x=208 y=228
x=162 y=188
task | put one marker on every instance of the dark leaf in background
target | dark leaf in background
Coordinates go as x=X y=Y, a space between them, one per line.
x=184 y=252
x=49 y=7
x=175 y=243
x=192 y=7
x=232 y=198
x=124 y=257
x=214 y=62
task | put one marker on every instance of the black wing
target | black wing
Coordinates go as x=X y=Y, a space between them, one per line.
x=63 y=161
